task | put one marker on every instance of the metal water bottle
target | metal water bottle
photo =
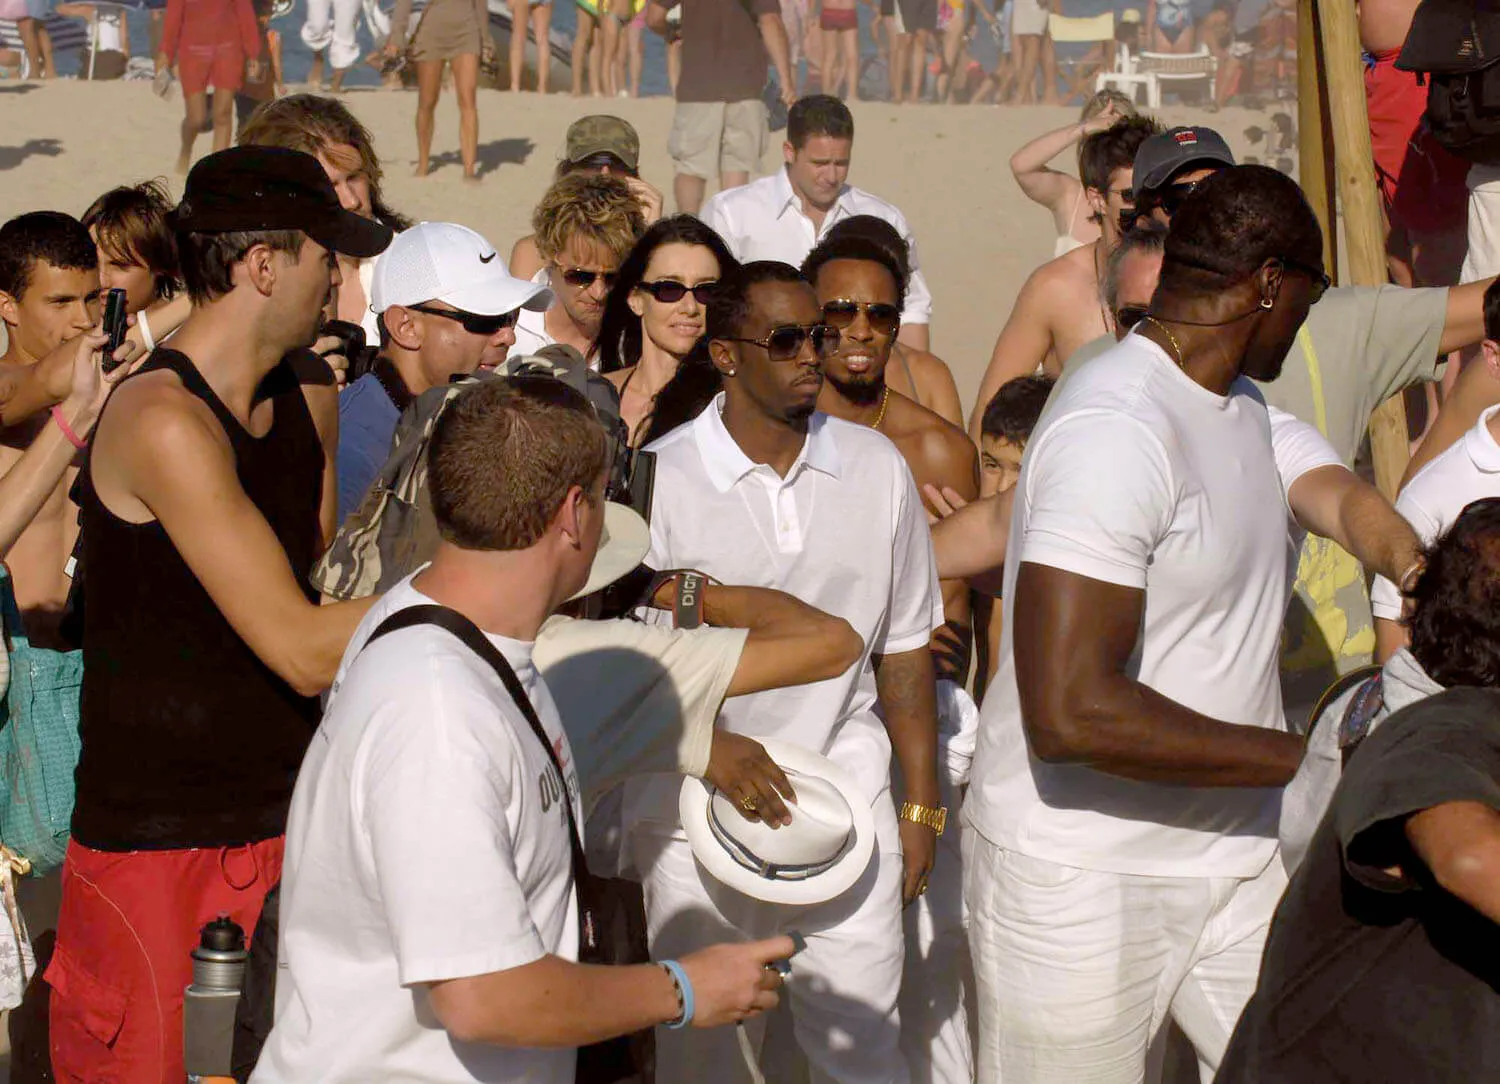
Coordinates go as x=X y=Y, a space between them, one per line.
x=209 y=1003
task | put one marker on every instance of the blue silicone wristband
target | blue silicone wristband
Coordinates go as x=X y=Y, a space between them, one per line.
x=684 y=988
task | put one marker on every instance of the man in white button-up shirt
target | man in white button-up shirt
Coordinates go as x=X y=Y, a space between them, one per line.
x=781 y=217
x=762 y=490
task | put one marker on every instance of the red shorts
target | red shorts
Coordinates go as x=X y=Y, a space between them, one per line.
x=839 y=19
x=125 y=935
x=219 y=66
x=1424 y=186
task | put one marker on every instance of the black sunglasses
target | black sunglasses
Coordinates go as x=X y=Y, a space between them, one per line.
x=785 y=343
x=669 y=293
x=1320 y=280
x=1127 y=316
x=577 y=276
x=841 y=313
x=473 y=322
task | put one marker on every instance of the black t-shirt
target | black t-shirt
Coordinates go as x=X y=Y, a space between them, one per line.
x=1370 y=977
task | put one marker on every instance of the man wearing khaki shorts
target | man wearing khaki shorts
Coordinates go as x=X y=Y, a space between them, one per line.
x=720 y=123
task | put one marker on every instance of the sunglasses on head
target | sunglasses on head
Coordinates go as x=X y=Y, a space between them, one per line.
x=669 y=293
x=582 y=279
x=841 y=313
x=472 y=322
x=1127 y=316
x=785 y=343
x=1320 y=279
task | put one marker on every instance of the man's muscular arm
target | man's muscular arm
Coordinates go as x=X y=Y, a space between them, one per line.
x=1074 y=637
x=907 y=687
x=1024 y=344
x=161 y=455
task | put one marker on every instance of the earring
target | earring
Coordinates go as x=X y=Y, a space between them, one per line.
x=730 y=372
x=1266 y=303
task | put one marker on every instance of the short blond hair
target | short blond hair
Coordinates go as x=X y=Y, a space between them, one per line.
x=595 y=206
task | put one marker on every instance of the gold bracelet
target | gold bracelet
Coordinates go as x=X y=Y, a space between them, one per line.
x=926 y=816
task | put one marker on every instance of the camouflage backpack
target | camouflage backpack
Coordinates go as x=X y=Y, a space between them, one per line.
x=392 y=531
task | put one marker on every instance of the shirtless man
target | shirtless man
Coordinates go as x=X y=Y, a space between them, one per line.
x=860 y=288
x=1423 y=186
x=1061 y=306
x=49 y=295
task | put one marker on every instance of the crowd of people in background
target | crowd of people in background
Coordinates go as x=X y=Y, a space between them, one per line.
x=633 y=660
x=982 y=51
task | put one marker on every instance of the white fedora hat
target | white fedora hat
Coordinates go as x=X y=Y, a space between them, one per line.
x=622 y=547
x=816 y=858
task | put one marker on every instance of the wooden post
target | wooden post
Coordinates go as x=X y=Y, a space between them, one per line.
x=1315 y=132
x=1364 y=229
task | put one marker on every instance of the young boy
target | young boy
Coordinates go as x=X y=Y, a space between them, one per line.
x=1004 y=430
x=1006 y=427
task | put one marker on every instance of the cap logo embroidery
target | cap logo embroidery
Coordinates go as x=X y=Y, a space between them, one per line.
x=487 y=259
x=1185 y=139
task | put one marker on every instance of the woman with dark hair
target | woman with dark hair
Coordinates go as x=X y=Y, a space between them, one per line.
x=137 y=253
x=657 y=311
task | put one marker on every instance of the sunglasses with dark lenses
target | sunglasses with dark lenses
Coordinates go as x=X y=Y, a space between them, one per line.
x=669 y=293
x=1320 y=279
x=1127 y=316
x=785 y=343
x=884 y=318
x=1172 y=196
x=473 y=322
x=581 y=279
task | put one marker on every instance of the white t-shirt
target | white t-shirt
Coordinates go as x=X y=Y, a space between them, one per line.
x=1467 y=471
x=764 y=220
x=844 y=531
x=1140 y=477
x=531 y=326
x=426 y=841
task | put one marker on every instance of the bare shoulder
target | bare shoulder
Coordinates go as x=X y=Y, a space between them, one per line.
x=154 y=412
x=936 y=450
x=619 y=376
x=525 y=260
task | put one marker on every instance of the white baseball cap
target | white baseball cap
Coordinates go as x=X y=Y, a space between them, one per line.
x=443 y=261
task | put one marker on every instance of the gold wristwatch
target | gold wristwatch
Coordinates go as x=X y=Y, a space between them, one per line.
x=926 y=816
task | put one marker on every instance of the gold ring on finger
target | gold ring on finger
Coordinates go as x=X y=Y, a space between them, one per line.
x=750 y=802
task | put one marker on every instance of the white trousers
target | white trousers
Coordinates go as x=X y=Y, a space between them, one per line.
x=1077 y=971
x=843 y=986
x=331 y=25
x=937 y=998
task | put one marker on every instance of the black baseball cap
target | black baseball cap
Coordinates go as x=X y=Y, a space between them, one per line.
x=1170 y=152
x=272 y=188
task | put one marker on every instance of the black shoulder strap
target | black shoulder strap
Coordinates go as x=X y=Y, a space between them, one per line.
x=469 y=634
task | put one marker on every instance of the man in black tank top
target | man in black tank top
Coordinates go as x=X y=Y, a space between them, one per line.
x=204 y=647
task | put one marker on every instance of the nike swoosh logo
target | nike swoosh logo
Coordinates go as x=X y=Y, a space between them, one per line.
x=487 y=259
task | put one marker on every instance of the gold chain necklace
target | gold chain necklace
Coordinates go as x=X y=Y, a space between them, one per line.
x=884 y=399
x=1171 y=340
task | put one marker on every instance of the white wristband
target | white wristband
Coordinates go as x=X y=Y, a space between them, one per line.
x=146 y=337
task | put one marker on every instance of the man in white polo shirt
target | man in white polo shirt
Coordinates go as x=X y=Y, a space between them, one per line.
x=782 y=216
x=762 y=490
x=1125 y=797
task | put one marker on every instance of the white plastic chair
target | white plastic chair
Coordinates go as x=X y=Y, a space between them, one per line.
x=1173 y=68
x=106 y=14
x=1127 y=79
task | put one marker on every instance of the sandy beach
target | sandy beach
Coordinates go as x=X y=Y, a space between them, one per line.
x=945 y=167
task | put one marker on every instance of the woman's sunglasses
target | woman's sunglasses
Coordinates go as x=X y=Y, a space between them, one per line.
x=473 y=322
x=884 y=318
x=582 y=280
x=785 y=343
x=669 y=293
